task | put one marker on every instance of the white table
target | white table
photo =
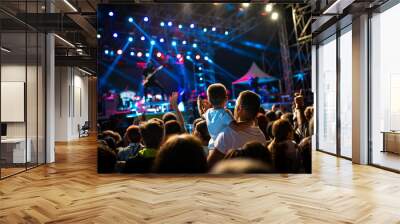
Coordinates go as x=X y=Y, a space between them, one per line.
x=17 y=146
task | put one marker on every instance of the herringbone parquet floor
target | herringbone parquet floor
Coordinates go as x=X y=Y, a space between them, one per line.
x=70 y=191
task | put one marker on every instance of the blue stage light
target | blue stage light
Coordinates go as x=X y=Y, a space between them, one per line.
x=115 y=35
x=111 y=13
x=130 y=19
x=173 y=43
x=226 y=33
x=130 y=39
x=188 y=57
x=180 y=26
x=161 y=40
x=194 y=45
x=112 y=53
x=169 y=23
x=214 y=29
x=206 y=58
x=162 y=24
x=143 y=38
x=192 y=25
x=98 y=36
x=205 y=30
x=147 y=55
x=200 y=68
x=152 y=42
x=132 y=53
x=184 y=42
x=146 y=19
x=106 y=52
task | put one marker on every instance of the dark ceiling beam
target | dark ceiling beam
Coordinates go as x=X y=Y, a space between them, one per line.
x=79 y=61
x=79 y=19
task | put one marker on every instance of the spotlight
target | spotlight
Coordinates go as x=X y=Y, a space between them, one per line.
x=214 y=29
x=119 y=52
x=169 y=23
x=198 y=57
x=111 y=13
x=115 y=35
x=98 y=36
x=159 y=54
x=268 y=7
x=106 y=52
x=188 y=57
x=146 y=19
x=245 y=5
x=130 y=39
x=161 y=40
x=274 y=16
x=147 y=55
x=152 y=42
x=205 y=30
x=142 y=38
x=192 y=26
x=173 y=43
x=184 y=42
x=112 y=53
x=179 y=56
x=201 y=78
x=200 y=68
x=180 y=26
x=194 y=45
x=132 y=53
x=130 y=19
x=226 y=33
x=139 y=54
x=206 y=58
x=162 y=24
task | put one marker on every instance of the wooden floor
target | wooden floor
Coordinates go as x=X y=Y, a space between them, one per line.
x=70 y=191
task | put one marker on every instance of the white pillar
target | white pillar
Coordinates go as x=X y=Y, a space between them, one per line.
x=314 y=90
x=360 y=90
x=50 y=91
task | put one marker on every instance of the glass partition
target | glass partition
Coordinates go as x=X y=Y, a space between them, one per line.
x=326 y=117
x=346 y=93
x=22 y=91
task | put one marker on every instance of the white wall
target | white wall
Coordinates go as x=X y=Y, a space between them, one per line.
x=71 y=102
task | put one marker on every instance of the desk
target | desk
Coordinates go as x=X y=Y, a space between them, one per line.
x=391 y=141
x=13 y=150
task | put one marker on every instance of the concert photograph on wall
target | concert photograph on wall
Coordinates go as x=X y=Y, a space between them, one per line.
x=217 y=88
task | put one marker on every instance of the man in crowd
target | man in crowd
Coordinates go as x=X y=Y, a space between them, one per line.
x=246 y=109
